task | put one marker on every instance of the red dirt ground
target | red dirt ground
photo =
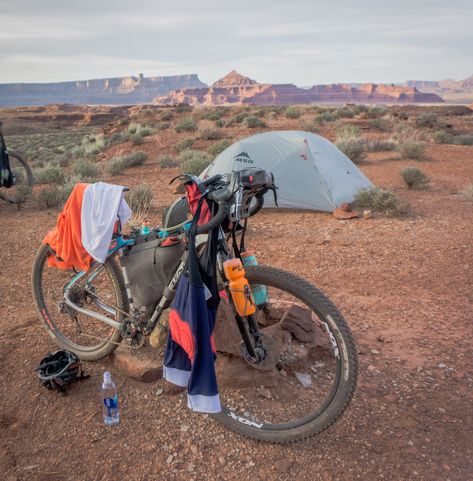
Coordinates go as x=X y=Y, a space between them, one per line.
x=405 y=286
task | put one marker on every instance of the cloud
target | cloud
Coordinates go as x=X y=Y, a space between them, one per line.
x=301 y=41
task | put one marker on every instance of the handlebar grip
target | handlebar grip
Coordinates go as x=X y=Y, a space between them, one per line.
x=259 y=205
x=217 y=219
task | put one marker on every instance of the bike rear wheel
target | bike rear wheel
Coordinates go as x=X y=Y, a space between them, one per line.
x=309 y=376
x=89 y=338
x=24 y=180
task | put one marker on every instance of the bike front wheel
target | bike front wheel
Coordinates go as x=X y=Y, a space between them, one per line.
x=309 y=375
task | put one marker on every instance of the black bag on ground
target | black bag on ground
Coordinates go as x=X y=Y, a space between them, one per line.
x=150 y=266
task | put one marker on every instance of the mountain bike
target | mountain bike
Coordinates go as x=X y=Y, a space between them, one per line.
x=286 y=372
x=17 y=181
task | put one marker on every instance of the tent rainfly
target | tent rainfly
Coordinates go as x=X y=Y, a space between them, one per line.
x=310 y=172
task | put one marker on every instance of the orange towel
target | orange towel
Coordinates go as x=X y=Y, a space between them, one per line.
x=65 y=239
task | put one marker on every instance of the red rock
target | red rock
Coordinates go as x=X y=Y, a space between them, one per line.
x=238 y=89
x=140 y=366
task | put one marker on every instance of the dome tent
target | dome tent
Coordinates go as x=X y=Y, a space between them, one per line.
x=309 y=171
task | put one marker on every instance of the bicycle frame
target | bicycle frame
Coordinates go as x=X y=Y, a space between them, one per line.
x=249 y=330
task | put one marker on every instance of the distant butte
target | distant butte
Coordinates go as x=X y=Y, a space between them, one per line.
x=235 y=88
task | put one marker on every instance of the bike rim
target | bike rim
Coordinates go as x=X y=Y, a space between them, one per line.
x=80 y=332
x=22 y=188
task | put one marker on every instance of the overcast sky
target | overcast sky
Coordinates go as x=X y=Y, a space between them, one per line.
x=299 y=41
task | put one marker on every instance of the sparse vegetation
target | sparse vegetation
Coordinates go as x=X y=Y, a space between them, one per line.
x=411 y=150
x=85 y=170
x=381 y=145
x=292 y=112
x=443 y=137
x=140 y=200
x=414 y=178
x=218 y=147
x=325 y=117
x=211 y=134
x=117 y=164
x=354 y=148
x=167 y=115
x=184 y=144
x=380 y=200
x=55 y=196
x=136 y=139
x=194 y=161
x=427 y=120
x=463 y=140
x=350 y=142
x=49 y=174
x=253 y=122
x=182 y=108
x=166 y=161
x=186 y=125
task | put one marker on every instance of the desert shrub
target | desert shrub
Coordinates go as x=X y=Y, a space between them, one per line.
x=443 y=137
x=117 y=164
x=347 y=131
x=182 y=108
x=344 y=113
x=211 y=134
x=136 y=139
x=167 y=115
x=411 y=150
x=463 y=140
x=124 y=121
x=414 y=178
x=140 y=199
x=379 y=124
x=309 y=126
x=93 y=144
x=359 y=109
x=146 y=131
x=468 y=193
x=184 y=144
x=186 y=125
x=253 y=122
x=381 y=145
x=426 y=120
x=210 y=114
x=292 y=112
x=354 y=148
x=166 y=161
x=85 y=169
x=49 y=174
x=220 y=123
x=194 y=161
x=140 y=129
x=325 y=117
x=379 y=200
x=240 y=117
x=163 y=126
x=218 y=147
x=55 y=196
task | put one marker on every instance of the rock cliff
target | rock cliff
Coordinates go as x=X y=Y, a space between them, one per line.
x=238 y=89
x=453 y=91
x=118 y=91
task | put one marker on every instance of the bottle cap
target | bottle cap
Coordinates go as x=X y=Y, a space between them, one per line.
x=107 y=377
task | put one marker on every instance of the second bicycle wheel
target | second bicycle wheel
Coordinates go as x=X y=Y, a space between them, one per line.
x=310 y=372
x=24 y=180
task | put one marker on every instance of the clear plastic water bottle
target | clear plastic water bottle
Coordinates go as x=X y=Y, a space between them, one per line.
x=111 y=414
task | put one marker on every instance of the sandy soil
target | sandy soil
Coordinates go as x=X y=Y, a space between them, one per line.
x=404 y=284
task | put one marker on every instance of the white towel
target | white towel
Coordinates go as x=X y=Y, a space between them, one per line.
x=101 y=206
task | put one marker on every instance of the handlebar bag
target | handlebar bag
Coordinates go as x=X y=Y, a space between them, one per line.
x=150 y=266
